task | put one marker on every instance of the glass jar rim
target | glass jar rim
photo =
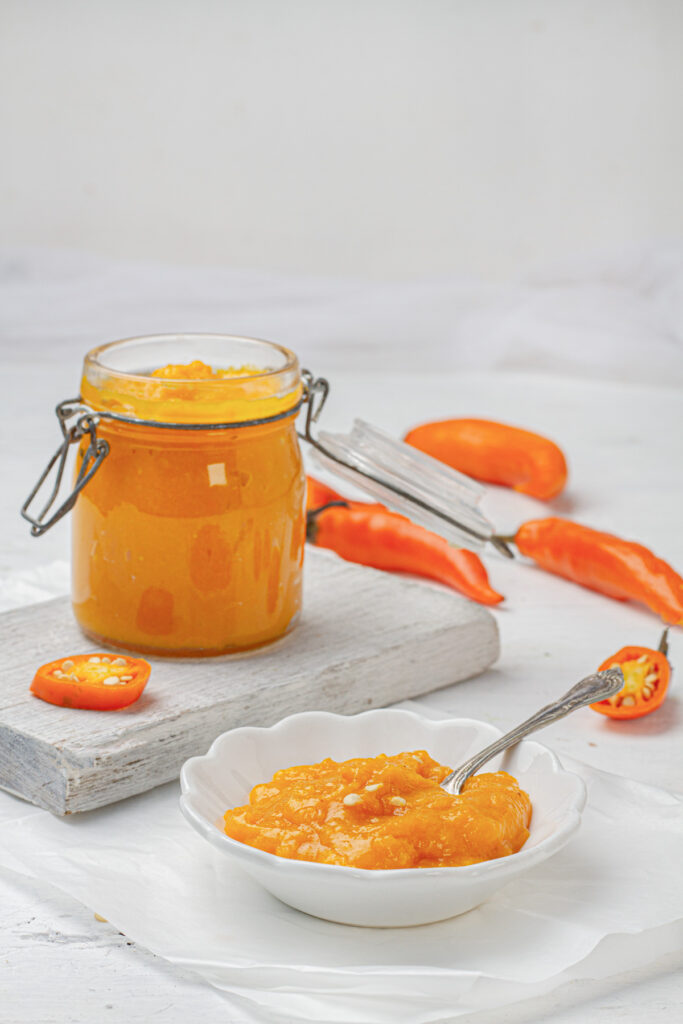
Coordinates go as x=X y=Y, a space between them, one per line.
x=93 y=358
x=255 y=379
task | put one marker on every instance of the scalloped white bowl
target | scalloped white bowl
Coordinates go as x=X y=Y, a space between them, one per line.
x=241 y=758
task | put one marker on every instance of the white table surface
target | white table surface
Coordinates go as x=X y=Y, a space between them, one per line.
x=58 y=963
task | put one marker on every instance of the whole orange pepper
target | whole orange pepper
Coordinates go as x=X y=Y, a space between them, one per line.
x=600 y=561
x=372 y=535
x=495 y=453
x=318 y=493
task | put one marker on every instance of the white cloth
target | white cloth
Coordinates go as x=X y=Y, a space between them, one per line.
x=611 y=898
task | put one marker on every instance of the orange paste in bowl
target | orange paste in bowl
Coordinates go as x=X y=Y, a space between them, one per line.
x=190 y=542
x=383 y=812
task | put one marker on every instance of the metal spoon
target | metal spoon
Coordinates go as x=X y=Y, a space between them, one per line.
x=591 y=689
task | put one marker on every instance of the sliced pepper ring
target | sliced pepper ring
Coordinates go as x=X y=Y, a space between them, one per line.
x=646 y=680
x=95 y=682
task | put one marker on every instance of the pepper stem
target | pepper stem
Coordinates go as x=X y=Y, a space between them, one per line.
x=664 y=643
x=313 y=513
x=501 y=542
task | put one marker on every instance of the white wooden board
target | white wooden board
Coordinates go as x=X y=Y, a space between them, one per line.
x=365 y=639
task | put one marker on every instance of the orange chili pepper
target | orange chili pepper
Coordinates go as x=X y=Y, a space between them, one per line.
x=600 y=561
x=318 y=494
x=372 y=535
x=98 y=682
x=646 y=680
x=495 y=453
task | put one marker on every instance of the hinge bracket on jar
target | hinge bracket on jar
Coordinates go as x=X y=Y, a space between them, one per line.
x=94 y=455
x=316 y=390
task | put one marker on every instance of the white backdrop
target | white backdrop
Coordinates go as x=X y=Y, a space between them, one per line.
x=266 y=147
x=382 y=137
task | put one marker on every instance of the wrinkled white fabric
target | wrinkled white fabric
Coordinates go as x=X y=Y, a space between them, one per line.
x=613 y=894
x=611 y=899
x=27 y=586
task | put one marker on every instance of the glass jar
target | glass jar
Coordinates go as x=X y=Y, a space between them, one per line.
x=188 y=499
x=189 y=538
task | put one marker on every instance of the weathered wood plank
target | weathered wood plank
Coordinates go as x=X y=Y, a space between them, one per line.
x=365 y=639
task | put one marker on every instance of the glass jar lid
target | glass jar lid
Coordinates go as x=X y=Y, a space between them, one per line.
x=404 y=479
x=407 y=481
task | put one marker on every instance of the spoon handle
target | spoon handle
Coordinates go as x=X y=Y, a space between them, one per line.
x=593 y=688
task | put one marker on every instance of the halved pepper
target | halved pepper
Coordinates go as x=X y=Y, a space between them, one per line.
x=646 y=680
x=96 y=682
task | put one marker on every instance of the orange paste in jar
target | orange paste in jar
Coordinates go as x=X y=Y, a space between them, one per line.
x=383 y=812
x=190 y=542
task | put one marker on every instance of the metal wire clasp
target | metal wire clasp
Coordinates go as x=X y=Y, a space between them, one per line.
x=94 y=455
